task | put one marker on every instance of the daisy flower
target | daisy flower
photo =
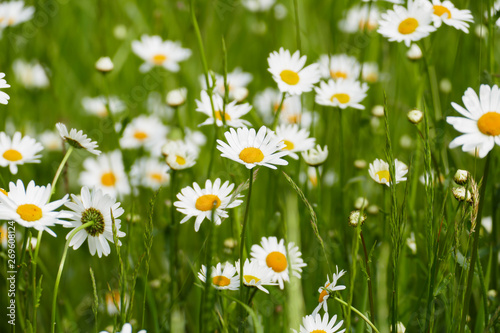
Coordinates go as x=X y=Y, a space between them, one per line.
x=296 y=140
x=327 y=289
x=145 y=131
x=379 y=171
x=113 y=301
x=107 y=173
x=4 y=238
x=340 y=66
x=237 y=82
x=50 y=140
x=256 y=274
x=156 y=52
x=98 y=106
x=176 y=97
x=274 y=255
x=31 y=207
x=77 y=140
x=370 y=72
x=13 y=13
x=150 y=173
x=30 y=75
x=223 y=277
x=4 y=98
x=268 y=101
x=359 y=18
x=446 y=12
x=94 y=207
x=314 y=324
x=481 y=121
x=180 y=155
x=232 y=114
x=194 y=201
x=341 y=93
x=18 y=150
x=251 y=149
x=289 y=72
x=407 y=24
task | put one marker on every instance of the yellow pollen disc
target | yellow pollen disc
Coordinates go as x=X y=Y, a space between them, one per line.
x=384 y=174
x=3 y=234
x=408 y=26
x=342 y=98
x=218 y=115
x=251 y=155
x=156 y=176
x=114 y=295
x=159 y=59
x=249 y=278
x=489 y=123
x=29 y=212
x=318 y=331
x=221 y=281
x=206 y=202
x=180 y=160
x=372 y=78
x=12 y=155
x=323 y=294
x=290 y=77
x=140 y=135
x=4 y=191
x=294 y=118
x=338 y=75
x=440 y=10
x=11 y=21
x=277 y=261
x=108 y=179
x=288 y=145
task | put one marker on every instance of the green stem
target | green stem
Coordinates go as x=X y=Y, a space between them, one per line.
x=60 y=169
x=474 y=254
x=277 y=114
x=370 y=292
x=358 y=313
x=59 y=273
x=35 y=259
x=242 y=238
x=297 y=25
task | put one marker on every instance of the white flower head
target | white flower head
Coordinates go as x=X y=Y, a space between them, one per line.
x=296 y=139
x=30 y=75
x=274 y=255
x=481 y=122
x=77 y=139
x=157 y=52
x=104 y=65
x=13 y=13
x=30 y=207
x=99 y=105
x=379 y=171
x=180 y=155
x=407 y=25
x=251 y=148
x=315 y=156
x=314 y=323
x=176 y=97
x=4 y=98
x=340 y=66
x=446 y=12
x=232 y=113
x=327 y=289
x=197 y=202
x=94 y=207
x=223 y=276
x=145 y=131
x=255 y=274
x=360 y=18
x=258 y=5
x=150 y=173
x=289 y=72
x=341 y=93
x=18 y=150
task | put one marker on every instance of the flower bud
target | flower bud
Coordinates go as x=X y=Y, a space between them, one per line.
x=414 y=53
x=462 y=194
x=104 y=65
x=461 y=177
x=176 y=97
x=378 y=111
x=356 y=217
x=361 y=203
x=415 y=116
x=360 y=164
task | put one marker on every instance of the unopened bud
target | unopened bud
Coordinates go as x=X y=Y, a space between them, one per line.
x=356 y=217
x=361 y=203
x=461 y=177
x=104 y=65
x=414 y=53
x=415 y=116
x=462 y=194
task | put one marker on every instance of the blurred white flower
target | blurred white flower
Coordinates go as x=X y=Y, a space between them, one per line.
x=30 y=75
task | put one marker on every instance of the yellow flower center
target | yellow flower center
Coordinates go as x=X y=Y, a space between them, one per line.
x=489 y=123
x=206 y=202
x=384 y=174
x=113 y=296
x=3 y=234
x=140 y=135
x=4 y=191
x=318 y=331
x=108 y=179
x=290 y=77
x=440 y=10
x=288 y=145
x=251 y=155
x=294 y=118
x=159 y=59
x=408 y=26
x=372 y=78
x=313 y=180
x=12 y=155
x=29 y=212
x=221 y=281
x=180 y=160
x=218 y=115
x=338 y=74
x=323 y=294
x=158 y=177
x=277 y=261
x=11 y=21
x=341 y=97
x=249 y=278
